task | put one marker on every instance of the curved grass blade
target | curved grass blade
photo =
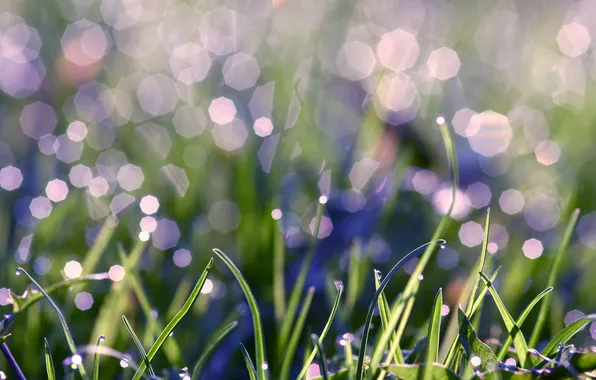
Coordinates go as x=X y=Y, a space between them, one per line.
x=96 y=358
x=349 y=358
x=218 y=336
x=67 y=334
x=298 y=327
x=312 y=355
x=10 y=358
x=256 y=316
x=51 y=372
x=323 y=366
x=472 y=345
x=384 y=312
x=505 y=347
x=252 y=372
x=434 y=329
x=292 y=307
x=279 y=290
x=552 y=277
x=521 y=347
x=139 y=345
x=567 y=333
x=174 y=322
x=373 y=304
x=409 y=291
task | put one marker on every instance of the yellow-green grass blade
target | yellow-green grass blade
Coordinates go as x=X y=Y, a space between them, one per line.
x=473 y=346
x=552 y=277
x=216 y=339
x=292 y=307
x=520 y=321
x=521 y=347
x=279 y=286
x=51 y=372
x=96 y=358
x=69 y=340
x=290 y=349
x=312 y=355
x=250 y=367
x=174 y=322
x=356 y=272
x=349 y=358
x=322 y=359
x=399 y=307
x=256 y=316
x=567 y=333
x=384 y=312
x=391 y=324
x=139 y=345
x=483 y=254
x=434 y=329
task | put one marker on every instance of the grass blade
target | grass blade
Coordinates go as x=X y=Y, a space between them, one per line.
x=322 y=358
x=411 y=285
x=473 y=346
x=290 y=316
x=290 y=350
x=567 y=333
x=71 y=344
x=256 y=316
x=279 y=290
x=505 y=347
x=252 y=372
x=51 y=372
x=521 y=347
x=384 y=312
x=96 y=358
x=373 y=304
x=434 y=329
x=356 y=277
x=552 y=277
x=139 y=345
x=174 y=322
x=312 y=355
x=349 y=358
x=218 y=336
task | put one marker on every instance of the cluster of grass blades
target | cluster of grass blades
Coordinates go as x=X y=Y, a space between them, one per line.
x=455 y=353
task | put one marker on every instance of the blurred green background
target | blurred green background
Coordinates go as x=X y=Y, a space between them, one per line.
x=198 y=124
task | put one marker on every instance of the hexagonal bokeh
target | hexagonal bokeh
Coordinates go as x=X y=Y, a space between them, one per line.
x=38 y=119
x=224 y=216
x=478 y=194
x=230 y=136
x=98 y=186
x=10 y=178
x=40 y=207
x=222 y=110
x=48 y=144
x=80 y=176
x=574 y=39
x=532 y=248
x=157 y=94
x=573 y=316
x=149 y=204
x=157 y=138
x=361 y=172
x=84 y=43
x=177 y=178
x=489 y=133
x=67 y=150
x=542 y=212
x=511 y=201
x=241 y=71
x=190 y=63
x=586 y=230
x=398 y=50
x=263 y=127
x=76 y=131
x=425 y=182
x=130 y=177
x=56 y=190
x=461 y=120
x=355 y=60
x=471 y=234
x=547 y=152
x=397 y=92
x=189 y=121
x=166 y=234
x=443 y=63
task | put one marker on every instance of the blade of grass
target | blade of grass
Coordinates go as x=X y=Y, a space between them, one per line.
x=279 y=289
x=51 y=372
x=483 y=255
x=434 y=329
x=373 y=304
x=181 y=294
x=256 y=316
x=552 y=277
x=398 y=308
x=174 y=322
x=567 y=333
x=96 y=358
x=520 y=321
x=218 y=336
x=472 y=345
x=323 y=366
x=139 y=345
x=384 y=312
x=290 y=316
x=356 y=272
x=521 y=347
x=290 y=350
x=252 y=372
x=349 y=358
x=66 y=330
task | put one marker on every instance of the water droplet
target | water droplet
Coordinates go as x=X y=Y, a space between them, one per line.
x=102 y=338
x=19 y=272
x=488 y=209
x=184 y=374
x=560 y=347
x=265 y=366
x=442 y=244
x=77 y=359
x=475 y=361
x=338 y=285
x=323 y=199
x=2 y=376
x=124 y=363
x=440 y=120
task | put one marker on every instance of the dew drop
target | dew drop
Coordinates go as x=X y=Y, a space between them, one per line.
x=184 y=374
x=102 y=338
x=77 y=360
x=19 y=272
x=2 y=376
x=442 y=244
x=475 y=361
x=124 y=363
x=323 y=199
x=265 y=366
x=338 y=285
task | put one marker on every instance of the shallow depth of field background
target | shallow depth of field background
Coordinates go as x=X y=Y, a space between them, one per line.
x=200 y=124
